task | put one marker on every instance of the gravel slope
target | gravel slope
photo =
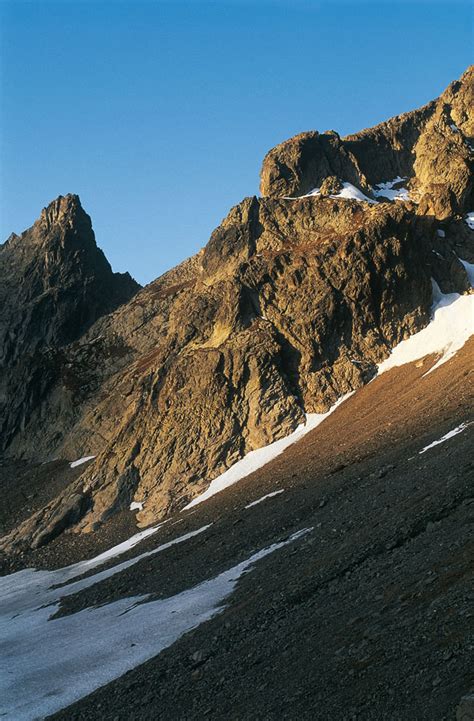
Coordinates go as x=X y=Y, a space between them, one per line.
x=367 y=617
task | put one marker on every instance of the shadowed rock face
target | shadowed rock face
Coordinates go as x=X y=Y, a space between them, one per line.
x=54 y=284
x=291 y=304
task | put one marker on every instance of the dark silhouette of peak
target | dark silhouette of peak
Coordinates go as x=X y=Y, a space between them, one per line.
x=55 y=282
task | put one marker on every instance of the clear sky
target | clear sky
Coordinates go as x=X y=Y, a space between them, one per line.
x=158 y=112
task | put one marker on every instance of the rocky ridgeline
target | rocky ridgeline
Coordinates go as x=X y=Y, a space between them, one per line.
x=291 y=304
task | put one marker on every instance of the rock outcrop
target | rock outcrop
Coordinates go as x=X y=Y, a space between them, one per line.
x=54 y=284
x=291 y=304
x=432 y=148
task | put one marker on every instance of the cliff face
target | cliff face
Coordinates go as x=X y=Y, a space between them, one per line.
x=54 y=284
x=431 y=148
x=291 y=304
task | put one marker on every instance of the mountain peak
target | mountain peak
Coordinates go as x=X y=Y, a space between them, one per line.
x=291 y=305
x=434 y=141
x=55 y=282
x=63 y=208
x=64 y=219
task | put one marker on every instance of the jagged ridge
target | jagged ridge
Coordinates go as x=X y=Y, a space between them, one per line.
x=291 y=304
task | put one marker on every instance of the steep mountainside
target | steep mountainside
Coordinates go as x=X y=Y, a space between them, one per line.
x=430 y=148
x=294 y=301
x=54 y=284
x=333 y=583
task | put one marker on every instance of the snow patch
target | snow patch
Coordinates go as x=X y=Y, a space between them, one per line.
x=30 y=589
x=440 y=233
x=469 y=268
x=348 y=191
x=264 y=498
x=78 y=568
x=310 y=194
x=454 y=127
x=315 y=191
x=451 y=434
x=469 y=219
x=136 y=506
x=49 y=663
x=259 y=458
x=386 y=190
x=80 y=461
x=451 y=325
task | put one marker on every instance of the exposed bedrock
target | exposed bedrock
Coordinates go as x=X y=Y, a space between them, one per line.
x=431 y=147
x=291 y=304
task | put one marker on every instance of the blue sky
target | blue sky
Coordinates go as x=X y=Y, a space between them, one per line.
x=158 y=112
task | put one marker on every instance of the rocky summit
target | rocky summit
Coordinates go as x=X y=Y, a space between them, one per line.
x=333 y=581
x=297 y=297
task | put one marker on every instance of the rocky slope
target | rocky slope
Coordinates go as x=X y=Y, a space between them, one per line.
x=367 y=615
x=54 y=285
x=291 y=304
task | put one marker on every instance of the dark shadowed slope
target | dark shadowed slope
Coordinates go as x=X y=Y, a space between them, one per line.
x=367 y=616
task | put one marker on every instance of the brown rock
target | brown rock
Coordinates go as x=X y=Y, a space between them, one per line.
x=431 y=146
x=291 y=304
x=330 y=186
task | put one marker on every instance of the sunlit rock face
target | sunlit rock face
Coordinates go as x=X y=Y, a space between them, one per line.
x=292 y=304
x=431 y=148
